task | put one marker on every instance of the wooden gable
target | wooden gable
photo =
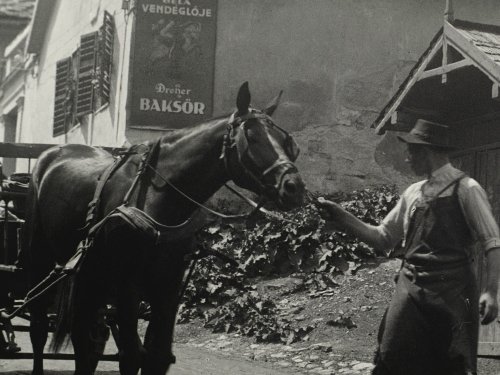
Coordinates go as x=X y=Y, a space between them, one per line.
x=462 y=61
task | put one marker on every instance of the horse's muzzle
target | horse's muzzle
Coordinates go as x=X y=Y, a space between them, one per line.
x=291 y=191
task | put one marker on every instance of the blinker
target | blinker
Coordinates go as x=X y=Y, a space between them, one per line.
x=290 y=147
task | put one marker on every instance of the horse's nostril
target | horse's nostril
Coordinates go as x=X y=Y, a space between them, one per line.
x=290 y=187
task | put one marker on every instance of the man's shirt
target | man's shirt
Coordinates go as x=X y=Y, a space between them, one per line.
x=472 y=198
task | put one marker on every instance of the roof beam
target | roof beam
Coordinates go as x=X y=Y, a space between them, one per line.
x=446 y=69
x=379 y=129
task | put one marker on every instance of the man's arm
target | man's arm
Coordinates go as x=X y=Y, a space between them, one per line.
x=488 y=305
x=380 y=237
x=480 y=218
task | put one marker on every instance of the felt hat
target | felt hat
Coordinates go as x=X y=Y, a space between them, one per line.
x=428 y=133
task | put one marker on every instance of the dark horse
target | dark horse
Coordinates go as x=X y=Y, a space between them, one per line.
x=124 y=268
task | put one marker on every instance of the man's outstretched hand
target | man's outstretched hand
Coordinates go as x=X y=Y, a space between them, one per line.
x=330 y=212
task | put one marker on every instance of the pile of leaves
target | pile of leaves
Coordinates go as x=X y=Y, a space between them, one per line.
x=225 y=296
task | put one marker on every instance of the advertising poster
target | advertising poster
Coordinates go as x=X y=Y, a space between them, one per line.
x=173 y=63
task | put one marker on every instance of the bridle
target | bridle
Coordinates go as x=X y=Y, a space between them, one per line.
x=232 y=142
x=235 y=141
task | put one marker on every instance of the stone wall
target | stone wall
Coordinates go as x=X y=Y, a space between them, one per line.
x=338 y=63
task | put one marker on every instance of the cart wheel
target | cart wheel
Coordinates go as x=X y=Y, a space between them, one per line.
x=8 y=338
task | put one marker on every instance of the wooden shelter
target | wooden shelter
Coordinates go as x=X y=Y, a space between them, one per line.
x=456 y=82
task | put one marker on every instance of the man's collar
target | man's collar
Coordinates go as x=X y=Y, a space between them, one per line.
x=441 y=170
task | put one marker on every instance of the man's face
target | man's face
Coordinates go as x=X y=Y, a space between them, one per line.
x=418 y=158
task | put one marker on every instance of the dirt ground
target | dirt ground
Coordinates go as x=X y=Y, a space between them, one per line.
x=346 y=319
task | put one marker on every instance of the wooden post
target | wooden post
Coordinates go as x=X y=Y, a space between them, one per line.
x=448 y=17
x=444 y=76
x=448 y=12
x=494 y=92
x=6 y=232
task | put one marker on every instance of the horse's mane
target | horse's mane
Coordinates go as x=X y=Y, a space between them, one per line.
x=174 y=135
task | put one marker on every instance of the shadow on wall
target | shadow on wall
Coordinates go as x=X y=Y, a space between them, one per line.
x=306 y=103
x=361 y=95
x=353 y=99
x=391 y=152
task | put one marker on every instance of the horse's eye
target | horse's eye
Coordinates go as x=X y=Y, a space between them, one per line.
x=252 y=134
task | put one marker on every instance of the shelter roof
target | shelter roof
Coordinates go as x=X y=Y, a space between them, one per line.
x=463 y=52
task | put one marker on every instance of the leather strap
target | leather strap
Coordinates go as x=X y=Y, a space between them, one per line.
x=103 y=178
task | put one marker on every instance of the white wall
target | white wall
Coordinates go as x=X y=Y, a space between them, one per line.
x=70 y=20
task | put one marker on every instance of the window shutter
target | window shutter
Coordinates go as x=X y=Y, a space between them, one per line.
x=63 y=100
x=86 y=74
x=105 y=57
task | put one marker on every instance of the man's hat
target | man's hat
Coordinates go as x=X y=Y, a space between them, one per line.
x=428 y=133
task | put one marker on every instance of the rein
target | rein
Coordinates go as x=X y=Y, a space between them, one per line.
x=258 y=207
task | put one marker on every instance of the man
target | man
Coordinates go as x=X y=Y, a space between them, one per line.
x=431 y=325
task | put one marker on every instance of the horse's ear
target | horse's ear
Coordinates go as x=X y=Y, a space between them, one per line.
x=243 y=99
x=271 y=107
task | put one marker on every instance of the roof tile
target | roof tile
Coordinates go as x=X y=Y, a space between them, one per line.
x=486 y=38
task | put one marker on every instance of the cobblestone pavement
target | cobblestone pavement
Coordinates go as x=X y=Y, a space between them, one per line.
x=221 y=354
x=312 y=359
x=191 y=360
x=215 y=357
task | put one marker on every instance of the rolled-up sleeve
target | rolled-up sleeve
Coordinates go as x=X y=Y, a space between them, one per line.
x=391 y=229
x=478 y=214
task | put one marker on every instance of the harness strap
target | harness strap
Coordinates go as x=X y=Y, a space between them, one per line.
x=146 y=157
x=145 y=224
x=103 y=178
x=455 y=181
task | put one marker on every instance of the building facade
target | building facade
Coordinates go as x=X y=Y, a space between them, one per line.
x=15 y=16
x=338 y=63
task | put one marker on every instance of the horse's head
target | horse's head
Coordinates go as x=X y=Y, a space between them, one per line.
x=260 y=156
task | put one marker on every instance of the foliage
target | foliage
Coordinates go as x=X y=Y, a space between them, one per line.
x=225 y=297
x=301 y=244
x=252 y=315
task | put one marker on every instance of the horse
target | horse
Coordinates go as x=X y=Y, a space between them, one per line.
x=164 y=180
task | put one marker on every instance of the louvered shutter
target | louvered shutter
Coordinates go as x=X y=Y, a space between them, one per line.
x=86 y=74
x=62 y=103
x=105 y=57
